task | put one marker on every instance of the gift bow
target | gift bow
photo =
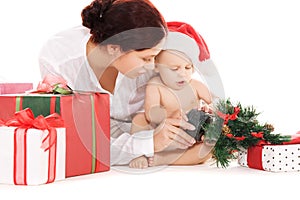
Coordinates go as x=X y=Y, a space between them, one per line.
x=53 y=84
x=228 y=117
x=24 y=119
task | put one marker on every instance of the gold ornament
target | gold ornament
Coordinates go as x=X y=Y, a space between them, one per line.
x=270 y=127
x=225 y=129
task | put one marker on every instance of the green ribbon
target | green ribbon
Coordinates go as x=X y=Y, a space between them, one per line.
x=18 y=103
x=60 y=90
x=93 y=136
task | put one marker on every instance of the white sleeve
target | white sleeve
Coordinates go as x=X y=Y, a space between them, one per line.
x=46 y=68
x=125 y=147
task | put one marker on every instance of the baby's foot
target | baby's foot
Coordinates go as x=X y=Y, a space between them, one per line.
x=151 y=161
x=139 y=162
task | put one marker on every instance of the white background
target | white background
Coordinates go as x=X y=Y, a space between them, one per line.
x=254 y=44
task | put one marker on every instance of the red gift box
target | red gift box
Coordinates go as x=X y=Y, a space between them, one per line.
x=15 y=88
x=87 y=121
x=274 y=158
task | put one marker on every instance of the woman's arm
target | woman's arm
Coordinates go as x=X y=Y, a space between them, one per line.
x=126 y=146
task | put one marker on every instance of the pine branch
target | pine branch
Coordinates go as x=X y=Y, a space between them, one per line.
x=236 y=127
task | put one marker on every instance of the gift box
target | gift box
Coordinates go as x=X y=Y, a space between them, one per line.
x=87 y=121
x=15 y=88
x=32 y=151
x=273 y=158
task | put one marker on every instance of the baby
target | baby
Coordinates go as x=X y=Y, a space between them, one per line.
x=173 y=93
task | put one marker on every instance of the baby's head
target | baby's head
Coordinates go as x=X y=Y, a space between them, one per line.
x=174 y=68
x=181 y=54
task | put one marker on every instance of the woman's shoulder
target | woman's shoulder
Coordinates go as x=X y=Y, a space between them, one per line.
x=69 y=42
x=75 y=30
x=69 y=36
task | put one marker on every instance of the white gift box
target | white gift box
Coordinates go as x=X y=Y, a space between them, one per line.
x=35 y=162
x=273 y=158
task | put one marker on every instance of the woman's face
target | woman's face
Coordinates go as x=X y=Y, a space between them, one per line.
x=175 y=69
x=136 y=63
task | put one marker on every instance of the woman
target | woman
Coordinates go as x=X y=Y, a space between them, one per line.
x=114 y=52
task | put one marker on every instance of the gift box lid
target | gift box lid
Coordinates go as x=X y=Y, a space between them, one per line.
x=15 y=88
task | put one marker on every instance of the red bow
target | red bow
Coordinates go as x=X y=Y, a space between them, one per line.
x=230 y=135
x=228 y=117
x=24 y=119
x=257 y=135
x=53 y=84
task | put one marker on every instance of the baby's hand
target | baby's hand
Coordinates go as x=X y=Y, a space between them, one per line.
x=205 y=107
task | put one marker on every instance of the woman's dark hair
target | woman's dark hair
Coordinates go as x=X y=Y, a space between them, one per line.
x=132 y=24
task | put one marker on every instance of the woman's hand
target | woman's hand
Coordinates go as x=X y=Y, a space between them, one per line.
x=170 y=134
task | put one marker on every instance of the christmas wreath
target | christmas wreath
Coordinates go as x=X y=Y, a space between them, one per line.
x=235 y=128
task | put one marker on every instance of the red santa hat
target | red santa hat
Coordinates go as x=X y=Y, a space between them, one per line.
x=184 y=38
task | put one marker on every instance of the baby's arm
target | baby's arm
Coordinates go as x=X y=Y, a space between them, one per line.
x=154 y=112
x=202 y=91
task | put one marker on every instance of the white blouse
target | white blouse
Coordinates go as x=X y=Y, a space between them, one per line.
x=64 y=54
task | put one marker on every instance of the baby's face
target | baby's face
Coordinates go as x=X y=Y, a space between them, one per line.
x=175 y=69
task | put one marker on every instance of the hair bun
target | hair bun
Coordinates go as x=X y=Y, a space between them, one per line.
x=90 y=13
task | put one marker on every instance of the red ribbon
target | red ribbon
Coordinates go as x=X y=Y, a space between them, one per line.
x=25 y=120
x=228 y=117
x=254 y=157
x=257 y=135
x=230 y=135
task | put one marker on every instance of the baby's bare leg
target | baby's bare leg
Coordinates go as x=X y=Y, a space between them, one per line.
x=139 y=123
x=197 y=154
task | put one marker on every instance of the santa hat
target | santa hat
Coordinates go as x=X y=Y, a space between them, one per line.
x=184 y=38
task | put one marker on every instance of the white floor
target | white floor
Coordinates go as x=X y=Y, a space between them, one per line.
x=176 y=182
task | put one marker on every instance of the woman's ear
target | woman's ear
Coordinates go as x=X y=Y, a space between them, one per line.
x=113 y=49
